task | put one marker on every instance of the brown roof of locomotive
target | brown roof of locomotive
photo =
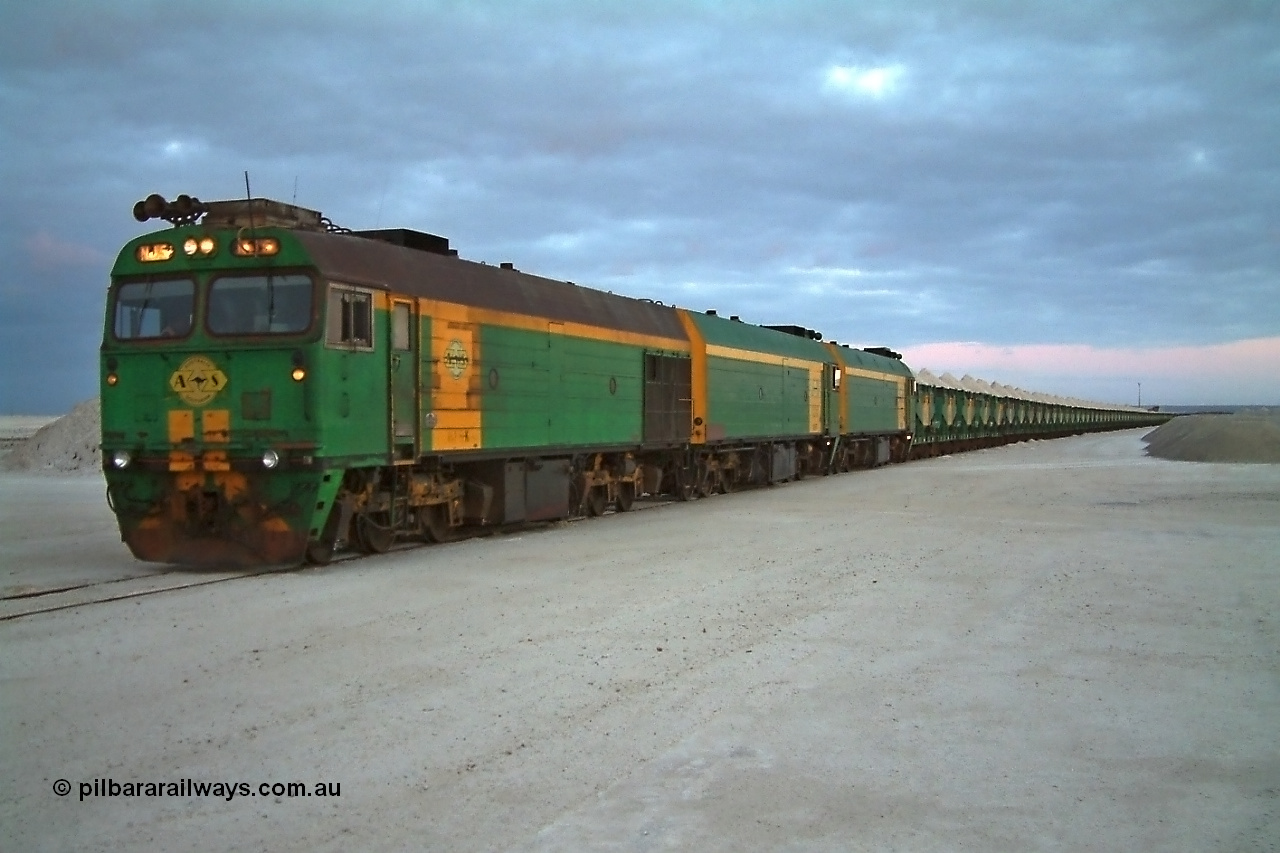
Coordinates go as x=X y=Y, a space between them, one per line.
x=361 y=260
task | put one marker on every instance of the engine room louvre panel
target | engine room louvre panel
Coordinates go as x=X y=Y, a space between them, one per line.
x=668 y=397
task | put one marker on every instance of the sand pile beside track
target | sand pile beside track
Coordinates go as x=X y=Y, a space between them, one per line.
x=69 y=444
x=1247 y=436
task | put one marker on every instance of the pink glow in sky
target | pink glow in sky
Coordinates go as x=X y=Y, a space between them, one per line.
x=1241 y=372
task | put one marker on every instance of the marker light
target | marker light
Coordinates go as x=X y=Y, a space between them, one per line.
x=152 y=252
x=299 y=374
x=270 y=459
x=251 y=246
x=112 y=379
x=121 y=459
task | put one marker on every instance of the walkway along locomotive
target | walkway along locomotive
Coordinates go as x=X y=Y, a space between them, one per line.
x=275 y=388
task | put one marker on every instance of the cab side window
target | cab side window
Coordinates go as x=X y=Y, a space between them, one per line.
x=350 y=318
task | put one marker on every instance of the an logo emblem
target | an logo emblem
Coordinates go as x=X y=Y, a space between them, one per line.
x=455 y=358
x=197 y=381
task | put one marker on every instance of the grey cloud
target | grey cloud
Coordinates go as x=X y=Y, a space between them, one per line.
x=1095 y=172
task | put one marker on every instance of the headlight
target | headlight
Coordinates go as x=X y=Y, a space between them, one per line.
x=199 y=246
x=121 y=459
x=270 y=459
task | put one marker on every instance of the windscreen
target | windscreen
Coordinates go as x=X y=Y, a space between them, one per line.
x=260 y=304
x=160 y=308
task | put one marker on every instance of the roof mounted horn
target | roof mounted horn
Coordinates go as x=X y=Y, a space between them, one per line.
x=183 y=210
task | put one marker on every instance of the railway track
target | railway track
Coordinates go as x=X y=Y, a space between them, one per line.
x=118 y=589
x=37 y=602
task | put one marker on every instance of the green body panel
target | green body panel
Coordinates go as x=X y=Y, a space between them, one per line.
x=597 y=388
x=749 y=399
x=350 y=388
x=871 y=405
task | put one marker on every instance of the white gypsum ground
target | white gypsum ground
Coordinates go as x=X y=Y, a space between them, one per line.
x=1052 y=645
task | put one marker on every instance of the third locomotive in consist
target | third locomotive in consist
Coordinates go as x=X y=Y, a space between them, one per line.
x=275 y=388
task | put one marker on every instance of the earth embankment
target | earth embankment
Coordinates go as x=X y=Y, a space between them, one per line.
x=1251 y=435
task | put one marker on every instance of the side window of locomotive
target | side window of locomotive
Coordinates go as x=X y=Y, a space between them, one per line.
x=350 y=318
x=154 y=309
x=400 y=327
x=260 y=305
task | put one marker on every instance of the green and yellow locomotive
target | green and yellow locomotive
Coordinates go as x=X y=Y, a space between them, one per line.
x=275 y=388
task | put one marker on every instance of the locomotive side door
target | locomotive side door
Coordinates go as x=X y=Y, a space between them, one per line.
x=403 y=381
x=831 y=399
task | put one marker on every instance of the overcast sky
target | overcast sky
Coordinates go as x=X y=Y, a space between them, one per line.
x=1072 y=197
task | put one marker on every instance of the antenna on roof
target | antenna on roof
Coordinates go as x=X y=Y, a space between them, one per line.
x=248 y=197
x=295 y=189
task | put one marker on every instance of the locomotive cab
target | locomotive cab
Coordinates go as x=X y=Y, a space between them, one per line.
x=210 y=443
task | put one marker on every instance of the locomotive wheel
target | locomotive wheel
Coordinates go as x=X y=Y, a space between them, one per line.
x=433 y=523
x=373 y=535
x=626 y=496
x=597 y=499
x=728 y=483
